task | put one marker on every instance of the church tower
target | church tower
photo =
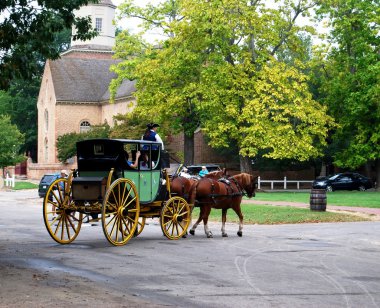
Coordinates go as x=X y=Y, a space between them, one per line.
x=102 y=15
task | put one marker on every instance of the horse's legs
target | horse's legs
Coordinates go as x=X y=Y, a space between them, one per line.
x=206 y=213
x=192 y=230
x=238 y=212
x=224 y=218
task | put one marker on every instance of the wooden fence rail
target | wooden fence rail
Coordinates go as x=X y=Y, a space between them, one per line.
x=285 y=182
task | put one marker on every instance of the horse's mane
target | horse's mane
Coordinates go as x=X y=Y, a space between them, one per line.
x=244 y=178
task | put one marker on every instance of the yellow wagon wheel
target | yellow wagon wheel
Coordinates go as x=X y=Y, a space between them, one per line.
x=120 y=212
x=140 y=226
x=61 y=220
x=175 y=218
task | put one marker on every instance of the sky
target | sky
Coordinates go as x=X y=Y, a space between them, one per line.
x=132 y=24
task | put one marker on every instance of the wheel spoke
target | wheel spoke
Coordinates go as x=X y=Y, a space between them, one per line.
x=132 y=200
x=67 y=226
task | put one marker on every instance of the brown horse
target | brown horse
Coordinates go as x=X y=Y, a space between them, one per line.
x=222 y=194
x=181 y=186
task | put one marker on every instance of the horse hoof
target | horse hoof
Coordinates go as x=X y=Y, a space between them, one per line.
x=184 y=236
x=209 y=235
x=224 y=235
x=192 y=232
x=240 y=234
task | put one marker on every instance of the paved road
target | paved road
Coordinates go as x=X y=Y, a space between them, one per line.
x=313 y=265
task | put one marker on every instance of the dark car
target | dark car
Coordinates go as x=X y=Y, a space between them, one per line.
x=45 y=182
x=194 y=169
x=343 y=181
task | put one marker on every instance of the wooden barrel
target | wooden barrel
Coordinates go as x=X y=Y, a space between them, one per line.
x=318 y=200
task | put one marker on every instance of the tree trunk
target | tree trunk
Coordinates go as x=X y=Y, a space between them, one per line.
x=188 y=149
x=367 y=169
x=377 y=168
x=246 y=164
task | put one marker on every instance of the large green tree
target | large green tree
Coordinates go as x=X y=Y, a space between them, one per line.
x=166 y=87
x=221 y=62
x=27 y=31
x=350 y=78
x=19 y=101
x=10 y=142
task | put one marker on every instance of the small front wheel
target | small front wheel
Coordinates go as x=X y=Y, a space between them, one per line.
x=175 y=218
x=120 y=212
x=329 y=188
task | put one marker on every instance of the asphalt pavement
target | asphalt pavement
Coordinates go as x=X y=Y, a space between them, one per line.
x=296 y=265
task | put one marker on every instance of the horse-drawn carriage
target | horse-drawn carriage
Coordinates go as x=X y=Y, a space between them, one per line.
x=106 y=187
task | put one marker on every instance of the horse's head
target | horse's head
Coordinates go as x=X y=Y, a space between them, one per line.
x=247 y=183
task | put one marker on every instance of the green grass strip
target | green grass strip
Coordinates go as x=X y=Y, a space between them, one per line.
x=270 y=215
x=343 y=198
x=24 y=185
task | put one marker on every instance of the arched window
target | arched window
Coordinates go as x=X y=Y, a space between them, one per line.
x=84 y=127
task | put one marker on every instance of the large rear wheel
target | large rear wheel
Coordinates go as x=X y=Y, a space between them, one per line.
x=175 y=218
x=120 y=212
x=61 y=220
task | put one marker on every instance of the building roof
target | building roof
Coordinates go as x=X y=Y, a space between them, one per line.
x=106 y=2
x=85 y=80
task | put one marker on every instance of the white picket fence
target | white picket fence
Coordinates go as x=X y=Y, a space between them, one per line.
x=285 y=182
x=10 y=181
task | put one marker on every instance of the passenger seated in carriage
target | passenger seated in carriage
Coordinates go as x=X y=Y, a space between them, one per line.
x=203 y=172
x=130 y=162
x=144 y=164
x=184 y=173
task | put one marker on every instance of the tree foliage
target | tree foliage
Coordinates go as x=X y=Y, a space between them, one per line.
x=66 y=143
x=350 y=78
x=10 y=142
x=19 y=101
x=221 y=68
x=27 y=32
x=164 y=92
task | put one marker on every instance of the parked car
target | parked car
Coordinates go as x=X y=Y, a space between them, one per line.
x=45 y=182
x=343 y=181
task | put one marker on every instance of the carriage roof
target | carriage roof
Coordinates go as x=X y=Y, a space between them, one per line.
x=107 y=153
x=108 y=147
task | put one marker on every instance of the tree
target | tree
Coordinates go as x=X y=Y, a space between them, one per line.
x=10 y=142
x=221 y=63
x=350 y=80
x=171 y=91
x=27 y=31
x=20 y=100
x=66 y=143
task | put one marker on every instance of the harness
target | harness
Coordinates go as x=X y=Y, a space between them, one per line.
x=230 y=190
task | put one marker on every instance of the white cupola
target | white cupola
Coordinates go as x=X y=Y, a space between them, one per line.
x=102 y=15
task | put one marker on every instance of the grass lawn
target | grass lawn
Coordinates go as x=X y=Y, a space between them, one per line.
x=24 y=185
x=343 y=198
x=268 y=214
